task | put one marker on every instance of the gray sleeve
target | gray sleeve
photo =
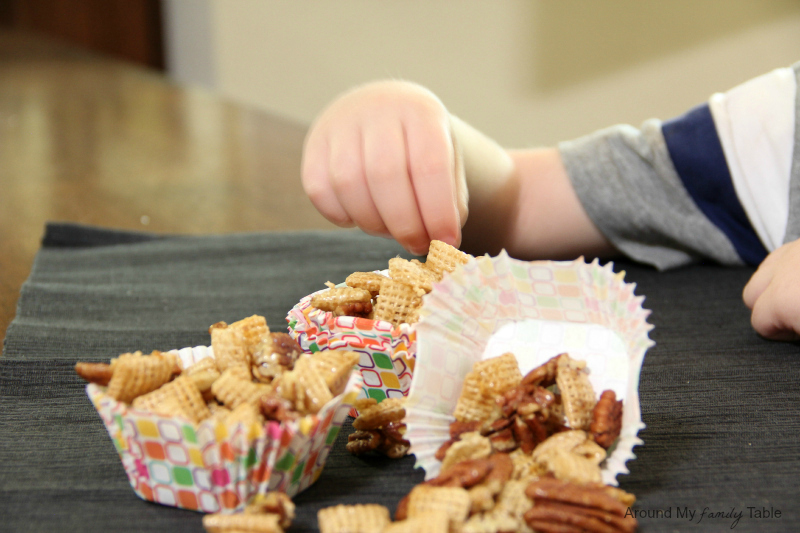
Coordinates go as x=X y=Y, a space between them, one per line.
x=793 y=224
x=625 y=180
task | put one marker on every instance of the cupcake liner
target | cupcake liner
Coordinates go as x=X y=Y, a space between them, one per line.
x=212 y=467
x=535 y=310
x=387 y=352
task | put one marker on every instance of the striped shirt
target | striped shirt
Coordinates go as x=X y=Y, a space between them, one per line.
x=721 y=182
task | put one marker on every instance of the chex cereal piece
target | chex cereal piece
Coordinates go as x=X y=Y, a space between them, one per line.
x=332 y=298
x=273 y=502
x=454 y=501
x=525 y=467
x=491 y=523
x=389 y=410
x=412 y=274
x=304 y=386
x=370 y=281
x=203 y=365
x=235 y=386
x=444 y=258
x=135 y=374
x=498 y=374
x=230 y=346
x=179 y=397
x=472 y=405
x=559 y=457
x=204 y=380
x=396 y=301
x=472 y=445
x=481 y=498
x=428 y=521
x=246 y=414
x=218 y=412
x=483 y=384
x=368 y=518
x=577 y=393
x=513 y=502
x=245 y=523
x=335 y=367
x=254 y=330
x=203 y=373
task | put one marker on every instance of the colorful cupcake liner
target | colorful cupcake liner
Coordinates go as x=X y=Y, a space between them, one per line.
x=387 y=352
x=535 y=310
x=212 y=467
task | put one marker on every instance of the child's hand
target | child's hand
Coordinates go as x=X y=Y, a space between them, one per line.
x=382 y=157
x=773 y=294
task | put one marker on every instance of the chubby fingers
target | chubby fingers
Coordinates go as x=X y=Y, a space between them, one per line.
x=773 y=294
x=316 y=180
x=432 y=168
x=761 y=278
x=348 y=179
x=386 y=168
x=776 y=314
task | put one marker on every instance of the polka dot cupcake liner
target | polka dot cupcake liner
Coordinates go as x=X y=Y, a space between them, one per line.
x=535 y=310
x=387 y=352
x=214 y=467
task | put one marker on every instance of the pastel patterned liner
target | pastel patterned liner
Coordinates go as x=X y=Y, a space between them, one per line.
x=213 y=467
x=387 y=352
x=535 y=310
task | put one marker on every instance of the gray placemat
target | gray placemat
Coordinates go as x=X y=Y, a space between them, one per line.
x=721 y=404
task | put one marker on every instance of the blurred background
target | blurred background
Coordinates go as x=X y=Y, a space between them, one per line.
x=524 y=71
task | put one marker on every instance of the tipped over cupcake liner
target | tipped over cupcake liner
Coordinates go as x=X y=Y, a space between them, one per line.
x=536 y=310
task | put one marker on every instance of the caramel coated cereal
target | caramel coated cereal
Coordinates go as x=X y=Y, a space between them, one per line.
x=136 y=374
x=367 y=518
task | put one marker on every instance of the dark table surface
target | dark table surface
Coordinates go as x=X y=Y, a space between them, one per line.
x=95 y=141
x=721 y=404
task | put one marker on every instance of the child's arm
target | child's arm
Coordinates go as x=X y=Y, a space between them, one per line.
x=389 y=158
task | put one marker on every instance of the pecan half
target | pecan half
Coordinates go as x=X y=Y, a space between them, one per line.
x=357 y=309
x=364 y=441
x=606 y=419
x=99 y=373
x=564 y=506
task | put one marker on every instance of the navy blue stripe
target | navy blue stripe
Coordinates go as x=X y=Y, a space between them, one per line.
x=697 y=155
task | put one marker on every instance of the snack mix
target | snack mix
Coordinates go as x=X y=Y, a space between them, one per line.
x=524 y=455
x=395 y=298
x=255 y=376
x=379 y=427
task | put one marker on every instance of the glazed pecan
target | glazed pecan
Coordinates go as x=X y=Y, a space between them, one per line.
x=394 y=445
x=464 y=474
x=278 y=409
x=364 y=441
x=457 y=428
x=286 y=347
x=606 y=419
x=561 y=505
x=357 y=309
x=504 y=441
x=99 y=373
x=543 y=375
